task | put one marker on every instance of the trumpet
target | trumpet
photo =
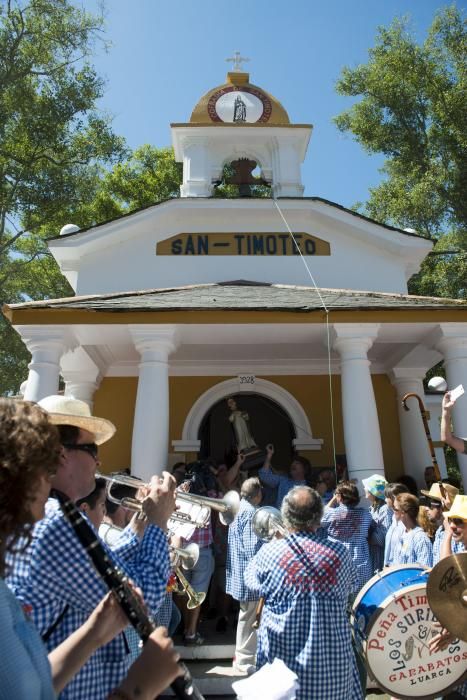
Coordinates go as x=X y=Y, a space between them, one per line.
x=267 y=522
x=187 y=557
x=227 y=506
x=194 y=599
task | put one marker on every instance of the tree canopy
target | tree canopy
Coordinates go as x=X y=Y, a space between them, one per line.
x=412 y=110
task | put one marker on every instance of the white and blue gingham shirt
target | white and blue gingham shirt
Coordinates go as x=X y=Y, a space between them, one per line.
x=351 y=527
x=382 y=518
x=456 y=547
x=55 y=573
x=392 y=537
x=413 y=546
x=242 y=547
x=24 y=666
x=306 y=580
x=283 y=483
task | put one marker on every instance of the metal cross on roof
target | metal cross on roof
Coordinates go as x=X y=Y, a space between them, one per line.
x=237 y=61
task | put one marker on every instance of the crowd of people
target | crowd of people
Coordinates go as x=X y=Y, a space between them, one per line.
x=64 y=634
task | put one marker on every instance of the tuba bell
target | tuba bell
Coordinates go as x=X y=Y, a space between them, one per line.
x=267 y=523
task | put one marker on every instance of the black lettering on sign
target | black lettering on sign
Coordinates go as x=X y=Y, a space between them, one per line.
x=310 y=246
x=189 y=246
x=203 y=245
x=239 y=238
x=258 y=245
x=271 y=245
x=177 y=246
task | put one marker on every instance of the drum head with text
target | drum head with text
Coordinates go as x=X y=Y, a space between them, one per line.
x=397 y=652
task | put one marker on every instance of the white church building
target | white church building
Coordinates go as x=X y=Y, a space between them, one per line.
x=199 y=298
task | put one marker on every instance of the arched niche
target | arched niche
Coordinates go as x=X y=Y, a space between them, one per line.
x=303 y=439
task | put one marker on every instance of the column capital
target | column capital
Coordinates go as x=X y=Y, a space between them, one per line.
x=353 y=340
x=48 y=338
x=399 y=375
x=155 y=342
x=451 y=340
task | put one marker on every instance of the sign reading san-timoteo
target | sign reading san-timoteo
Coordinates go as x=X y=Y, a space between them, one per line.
x=258 y=244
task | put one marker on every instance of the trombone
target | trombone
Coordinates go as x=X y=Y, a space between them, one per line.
x=227 y=507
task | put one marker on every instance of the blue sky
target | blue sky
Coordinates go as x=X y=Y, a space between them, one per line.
x=166 y=54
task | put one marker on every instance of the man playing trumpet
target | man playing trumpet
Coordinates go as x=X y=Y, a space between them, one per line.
x=306 y=580
x=54 y=577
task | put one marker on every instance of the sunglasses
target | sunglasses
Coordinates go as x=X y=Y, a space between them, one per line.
x=458 y=522
x=89 y=447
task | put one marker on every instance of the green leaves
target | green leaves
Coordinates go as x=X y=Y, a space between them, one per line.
x=412 y=109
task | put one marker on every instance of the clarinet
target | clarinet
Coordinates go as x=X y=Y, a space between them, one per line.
x=119 y=584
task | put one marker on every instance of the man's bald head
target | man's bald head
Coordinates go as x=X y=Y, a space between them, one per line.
x=302 y=509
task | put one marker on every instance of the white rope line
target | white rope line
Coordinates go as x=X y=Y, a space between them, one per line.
x=328 y=339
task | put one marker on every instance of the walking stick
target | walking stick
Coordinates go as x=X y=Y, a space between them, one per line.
x=425 y=416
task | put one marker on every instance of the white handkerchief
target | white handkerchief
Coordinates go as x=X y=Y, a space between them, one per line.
x=273 y=681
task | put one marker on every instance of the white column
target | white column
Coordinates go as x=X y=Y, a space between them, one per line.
x=452 y=343
x=415 y=450
x=46 y=346
x=81 y=385
x=196 y=169
x=433 y=404
x=361 y=427
x=151 y=424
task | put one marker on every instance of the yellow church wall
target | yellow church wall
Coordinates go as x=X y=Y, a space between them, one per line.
x=116 y=397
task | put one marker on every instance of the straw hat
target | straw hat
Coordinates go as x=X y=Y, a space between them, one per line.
x=66 y=410
x=435 y=492
x=375 y=485
x=458 y=508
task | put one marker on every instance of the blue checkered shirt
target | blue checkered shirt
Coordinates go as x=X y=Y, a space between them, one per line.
x=242 y=547
x=382 y=518
x=456 y=547
x=282 y=482
x=352 y=527
x=413 y=547
x=24 y=666
x=392 y=536
x=55 y=571
x=306 y=580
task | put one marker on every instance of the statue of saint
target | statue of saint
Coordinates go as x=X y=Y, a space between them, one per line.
x=239 y=110
x=239 y=420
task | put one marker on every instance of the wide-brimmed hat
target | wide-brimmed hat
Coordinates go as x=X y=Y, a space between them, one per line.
x=375 y=485
x=66 y=410
x=435 y=492
x=458 y=508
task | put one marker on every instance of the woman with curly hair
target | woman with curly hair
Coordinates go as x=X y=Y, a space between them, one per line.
x=30 y=454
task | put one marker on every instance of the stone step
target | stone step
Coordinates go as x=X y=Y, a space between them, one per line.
x=206 y=652
x=212 y=678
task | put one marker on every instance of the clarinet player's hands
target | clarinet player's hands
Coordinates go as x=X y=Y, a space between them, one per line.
x=153 y=671
x=159 y=504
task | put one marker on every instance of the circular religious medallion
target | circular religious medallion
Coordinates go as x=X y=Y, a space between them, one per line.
x=397 y=648
x=237 y=105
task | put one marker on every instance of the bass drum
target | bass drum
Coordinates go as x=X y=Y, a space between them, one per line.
x=393 y=631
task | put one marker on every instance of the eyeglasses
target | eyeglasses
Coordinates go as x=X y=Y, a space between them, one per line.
x=435 y=505
x=89 y=447
x=458 y=522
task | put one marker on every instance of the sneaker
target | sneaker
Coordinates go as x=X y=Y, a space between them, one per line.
x=194 y=641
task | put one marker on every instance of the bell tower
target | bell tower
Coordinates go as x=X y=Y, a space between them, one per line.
x=234 y=121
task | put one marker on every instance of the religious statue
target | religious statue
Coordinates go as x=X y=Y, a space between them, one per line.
x=239 y=110
x=240 y=420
